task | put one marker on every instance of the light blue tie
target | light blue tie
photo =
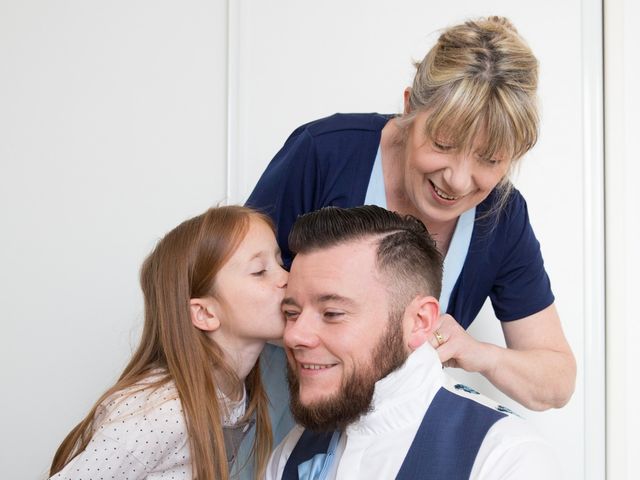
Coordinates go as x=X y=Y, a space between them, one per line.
x=318 y=466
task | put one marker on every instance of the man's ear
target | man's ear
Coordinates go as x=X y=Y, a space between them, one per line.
x=203 y=314
x=406 y=96
x=423 y=313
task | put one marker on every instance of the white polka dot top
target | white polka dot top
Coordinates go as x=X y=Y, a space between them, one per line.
x=136 y=435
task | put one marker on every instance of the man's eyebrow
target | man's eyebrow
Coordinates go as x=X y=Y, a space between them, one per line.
x=329 y=297
x=333 y=297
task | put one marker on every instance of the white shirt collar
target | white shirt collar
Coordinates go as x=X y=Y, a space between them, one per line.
x=234 y=410
x=403 y=395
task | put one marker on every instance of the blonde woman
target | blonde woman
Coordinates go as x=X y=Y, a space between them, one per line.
x=192 y=390
x=469 y=117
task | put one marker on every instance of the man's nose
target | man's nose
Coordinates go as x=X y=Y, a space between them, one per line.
x=301 y=333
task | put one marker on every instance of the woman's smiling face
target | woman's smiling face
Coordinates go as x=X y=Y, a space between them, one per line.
x=443 y=181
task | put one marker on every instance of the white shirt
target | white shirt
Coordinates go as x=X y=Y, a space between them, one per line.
x=375 y=446
x=140 y=435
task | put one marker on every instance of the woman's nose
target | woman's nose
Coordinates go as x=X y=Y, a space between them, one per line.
x=459 y=176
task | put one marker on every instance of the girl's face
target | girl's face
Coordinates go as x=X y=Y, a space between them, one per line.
x=441 y=181
x=250 y=286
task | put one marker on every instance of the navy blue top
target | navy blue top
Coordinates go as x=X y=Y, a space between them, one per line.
x=329 y=162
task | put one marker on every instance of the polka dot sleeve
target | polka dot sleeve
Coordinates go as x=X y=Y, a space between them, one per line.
x=137 y=435
x=104 y=458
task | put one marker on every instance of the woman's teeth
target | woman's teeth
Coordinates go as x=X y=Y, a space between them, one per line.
x=443 y=195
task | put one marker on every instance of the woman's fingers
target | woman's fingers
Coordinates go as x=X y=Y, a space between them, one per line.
x=453 y=344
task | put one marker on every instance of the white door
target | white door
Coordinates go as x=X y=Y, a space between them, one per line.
x=295 y=61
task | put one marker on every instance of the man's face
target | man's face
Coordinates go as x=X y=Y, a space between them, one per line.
x=338 y=335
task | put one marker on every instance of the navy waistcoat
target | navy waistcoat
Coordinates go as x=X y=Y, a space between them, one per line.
x=445 y=446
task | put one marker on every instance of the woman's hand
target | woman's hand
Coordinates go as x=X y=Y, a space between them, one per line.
x=537 y=369
x=458 y=349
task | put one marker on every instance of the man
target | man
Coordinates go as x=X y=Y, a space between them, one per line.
x=367 y=387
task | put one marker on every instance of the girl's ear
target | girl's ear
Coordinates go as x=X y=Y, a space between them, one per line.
x=406 y=96
x=203 y=314
x=423 y=313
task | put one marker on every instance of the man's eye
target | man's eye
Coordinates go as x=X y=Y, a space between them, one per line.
x=333 y=315
x=290 y=315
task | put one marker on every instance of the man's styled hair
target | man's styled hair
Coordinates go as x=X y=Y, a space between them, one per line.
x=406 y=256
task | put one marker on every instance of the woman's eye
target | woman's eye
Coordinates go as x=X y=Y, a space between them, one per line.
x=259 y=273
x=442 y=147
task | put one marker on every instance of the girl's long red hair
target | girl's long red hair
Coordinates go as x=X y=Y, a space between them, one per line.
x=182 y=266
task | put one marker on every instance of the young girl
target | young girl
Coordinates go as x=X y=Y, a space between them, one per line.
x=212 y=291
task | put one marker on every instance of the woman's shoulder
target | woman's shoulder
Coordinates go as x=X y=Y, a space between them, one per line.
x=501 y=214
x=503 y=234
x=318 y=163
x=501 y=227
x=503 y=204
x=341 y=122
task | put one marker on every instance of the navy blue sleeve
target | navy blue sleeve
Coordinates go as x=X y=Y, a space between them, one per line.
x=325 y=162
x=521 y=286
x=287 y=187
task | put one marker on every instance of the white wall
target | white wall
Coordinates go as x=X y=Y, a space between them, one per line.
x=622 y=71
x=113 y=128
x=113 y=121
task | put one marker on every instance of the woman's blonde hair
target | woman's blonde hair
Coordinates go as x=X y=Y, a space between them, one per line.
x=182 y=266
x=479 y=79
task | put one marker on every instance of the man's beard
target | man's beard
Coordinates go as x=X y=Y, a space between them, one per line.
x=354 y=397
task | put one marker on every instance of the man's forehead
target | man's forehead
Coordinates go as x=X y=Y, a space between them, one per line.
x=344 y=260
x=341 y=271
